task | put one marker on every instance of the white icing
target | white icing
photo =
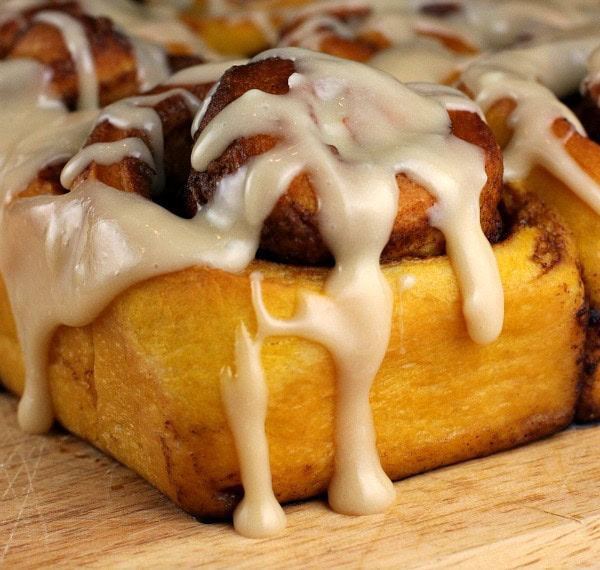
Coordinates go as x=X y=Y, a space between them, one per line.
x=75 y=39
x=422 y=60
x=132 y=113
x=593 y=76
x=151 y=63
x=245 y=397
x=514 y=75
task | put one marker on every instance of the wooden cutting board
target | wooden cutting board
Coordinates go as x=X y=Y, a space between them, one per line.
x=64 y=504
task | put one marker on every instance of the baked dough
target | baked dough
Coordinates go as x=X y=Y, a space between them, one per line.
x=142 y=381
x=581 y=220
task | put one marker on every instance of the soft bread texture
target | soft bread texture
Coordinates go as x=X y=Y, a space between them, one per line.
x=142 y=381
x=581 y=220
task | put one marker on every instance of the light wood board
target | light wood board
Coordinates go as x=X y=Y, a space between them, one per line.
x=64 y=504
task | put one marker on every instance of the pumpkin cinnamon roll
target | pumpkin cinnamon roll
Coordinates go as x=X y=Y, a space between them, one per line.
x=268 y=280
x=547 y=151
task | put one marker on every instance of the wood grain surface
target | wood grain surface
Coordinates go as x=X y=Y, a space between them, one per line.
x=64 y=504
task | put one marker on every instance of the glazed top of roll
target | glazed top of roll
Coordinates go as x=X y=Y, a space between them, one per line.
x=290 y=233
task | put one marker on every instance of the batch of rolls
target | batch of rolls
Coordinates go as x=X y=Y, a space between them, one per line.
x=486 y=349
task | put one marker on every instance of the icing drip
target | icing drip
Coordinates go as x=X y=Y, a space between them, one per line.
x=593 y=77
x=330 y=103
x=421 y=60
x=133 y=113
x=151 y=63
x=245 y=398
x=23 y=152
x=89 y=245
x=85 y=248
x=78 y=45
x=513 y=75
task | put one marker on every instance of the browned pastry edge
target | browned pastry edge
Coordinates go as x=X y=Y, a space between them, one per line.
x=134 y=175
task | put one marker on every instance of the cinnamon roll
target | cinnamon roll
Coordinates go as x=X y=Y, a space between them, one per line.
x=261 y=281
x=92 y=62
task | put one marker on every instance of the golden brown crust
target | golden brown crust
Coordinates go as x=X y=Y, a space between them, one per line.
x=582 y=221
